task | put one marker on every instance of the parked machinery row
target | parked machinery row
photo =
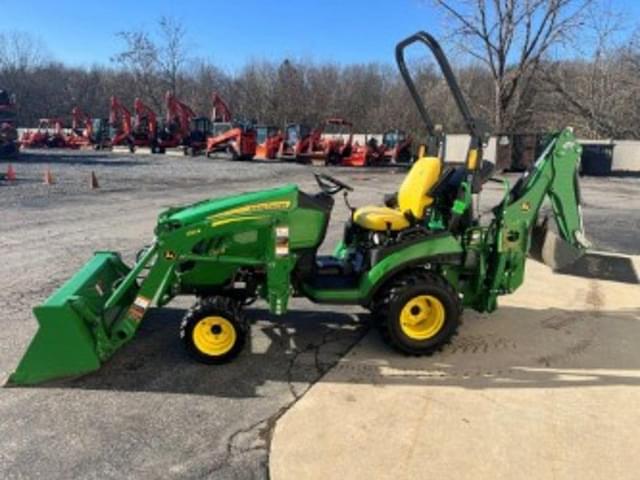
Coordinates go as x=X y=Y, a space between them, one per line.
x=334 y=145
x=181 y=129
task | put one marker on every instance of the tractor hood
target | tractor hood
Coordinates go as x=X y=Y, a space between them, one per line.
x=282 y=198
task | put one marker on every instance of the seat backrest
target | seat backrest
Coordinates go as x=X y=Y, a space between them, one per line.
x=412 y=195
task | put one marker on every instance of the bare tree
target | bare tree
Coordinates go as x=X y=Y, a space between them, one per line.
x=140 y=58
x=20 y=51
x=156 y=62
x=172 y=52
x=511 y=37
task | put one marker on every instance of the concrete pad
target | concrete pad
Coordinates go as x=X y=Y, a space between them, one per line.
x=545 y=387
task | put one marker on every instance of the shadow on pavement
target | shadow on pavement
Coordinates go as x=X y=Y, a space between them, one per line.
x=512 y=348
x=300 y=347
x=603 y=267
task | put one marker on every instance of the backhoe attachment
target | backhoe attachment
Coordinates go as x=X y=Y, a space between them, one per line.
x=558 y=167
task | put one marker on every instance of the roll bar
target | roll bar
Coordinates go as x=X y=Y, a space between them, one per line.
x=476 y=129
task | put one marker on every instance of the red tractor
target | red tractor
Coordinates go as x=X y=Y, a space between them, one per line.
x=8 y=132
x=269 y=140
x=299 y=139
x=236 y=138
x=176 y=129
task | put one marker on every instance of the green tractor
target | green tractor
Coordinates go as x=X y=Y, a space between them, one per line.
x=415 y=261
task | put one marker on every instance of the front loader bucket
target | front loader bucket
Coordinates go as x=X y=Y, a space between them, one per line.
x=549 y=248
x=72 y=323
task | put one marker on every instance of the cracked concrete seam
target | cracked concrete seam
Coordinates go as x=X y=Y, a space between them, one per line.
x=269 y=422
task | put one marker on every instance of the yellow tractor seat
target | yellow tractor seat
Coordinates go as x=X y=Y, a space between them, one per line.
x=413 y=199
x=380 y=218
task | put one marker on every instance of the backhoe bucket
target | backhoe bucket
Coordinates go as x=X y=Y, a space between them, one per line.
x=549 y=248
x=73 y=320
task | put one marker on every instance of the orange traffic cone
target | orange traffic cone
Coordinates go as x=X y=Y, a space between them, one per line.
x=48 y=177
x=11 y=174
x=93 y=181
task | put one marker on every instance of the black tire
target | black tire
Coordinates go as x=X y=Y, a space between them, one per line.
x=391 y=301
x=214 y=307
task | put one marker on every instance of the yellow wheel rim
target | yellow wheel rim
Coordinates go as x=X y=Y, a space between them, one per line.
x=422 y=317
x=214 y=336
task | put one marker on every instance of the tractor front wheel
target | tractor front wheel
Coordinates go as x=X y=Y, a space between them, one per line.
x=214 y=330
x=418 y=313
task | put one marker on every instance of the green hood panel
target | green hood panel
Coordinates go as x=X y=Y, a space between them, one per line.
x=264 y=200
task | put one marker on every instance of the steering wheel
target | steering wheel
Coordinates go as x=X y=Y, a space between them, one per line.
x=331 y=185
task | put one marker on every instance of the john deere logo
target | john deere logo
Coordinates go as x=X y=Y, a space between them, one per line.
x=526 y=206
x=170 y=255
x=253 y=208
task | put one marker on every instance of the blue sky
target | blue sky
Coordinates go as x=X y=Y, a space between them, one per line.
x=232 y=32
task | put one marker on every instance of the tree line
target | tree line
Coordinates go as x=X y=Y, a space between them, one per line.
x=508 y=71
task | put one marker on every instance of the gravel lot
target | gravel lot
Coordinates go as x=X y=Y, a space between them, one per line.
x=151 y=412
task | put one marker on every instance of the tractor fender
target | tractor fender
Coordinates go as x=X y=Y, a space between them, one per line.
x=443 y=249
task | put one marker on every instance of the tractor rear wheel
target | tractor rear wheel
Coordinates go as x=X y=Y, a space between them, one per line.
x=214 y=330
x=418 y=313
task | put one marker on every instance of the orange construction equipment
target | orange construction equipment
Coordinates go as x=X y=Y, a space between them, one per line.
x=298 y=141
x=49 y=134
x=220 y=113
x=119 y=122
x=332 y=147
x=145 y=127
x=234 y=137
x=396 y=146
x=81 y=130
x=268 y=139
x=364 y=155
x=176 y=129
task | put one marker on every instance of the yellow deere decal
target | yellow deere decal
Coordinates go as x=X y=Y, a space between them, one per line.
x=256 y=207
x=224 y=221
